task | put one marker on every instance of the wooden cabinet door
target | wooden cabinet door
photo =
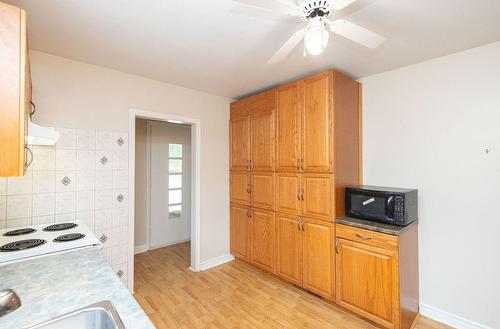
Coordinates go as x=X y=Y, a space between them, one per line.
x=367 y=281
x=262 y=141
x=240 y=232
x=288 y=193
x=263 y=239
x=288 y=128
x=239 y=186
x=289 y=248
x=317 y=123
x=318 y=196
x=240 y=143
x=262 y=190
x=318 y=258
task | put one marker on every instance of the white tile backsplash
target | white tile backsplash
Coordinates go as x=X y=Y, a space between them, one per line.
x=85 y=139
x=44 y=158
x=120 y=142
x=66 y=181
x=81 y=178
x=103 y=199
x=120 y=160
x=44 y=181
x=85 y=180
x=104 y=141
x=19 y=206
x=3 y=186
x=65 y=160
x=3 y=207
x=65 y=202
x=67 y=139
x=84 y=201
x=44 y=204
x=85 y=160
x=20 y=185
x=103 y=179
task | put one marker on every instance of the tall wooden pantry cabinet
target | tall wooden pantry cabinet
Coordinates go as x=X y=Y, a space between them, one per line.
x=293 y=149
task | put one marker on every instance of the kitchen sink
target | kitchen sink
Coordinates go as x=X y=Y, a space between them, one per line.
x=101 y=315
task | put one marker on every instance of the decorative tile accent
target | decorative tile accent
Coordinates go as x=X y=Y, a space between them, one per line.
x=120 y=198
x=66 y=181
x=61 y=176
x=120 y=141
x=104 y=160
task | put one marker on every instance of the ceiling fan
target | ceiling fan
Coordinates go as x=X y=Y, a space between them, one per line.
x=322 y=17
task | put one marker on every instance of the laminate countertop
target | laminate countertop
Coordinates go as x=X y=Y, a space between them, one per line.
x=374 y=226
x=57 y=284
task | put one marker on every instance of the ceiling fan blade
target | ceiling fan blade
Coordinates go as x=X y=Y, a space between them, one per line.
x=280 y=6
x=287 y=47
x=357 y=33
x=344 y=8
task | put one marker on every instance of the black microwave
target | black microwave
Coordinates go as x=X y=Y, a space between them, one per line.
x=389 y=205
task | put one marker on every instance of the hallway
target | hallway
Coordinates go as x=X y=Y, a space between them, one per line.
x=233 y=295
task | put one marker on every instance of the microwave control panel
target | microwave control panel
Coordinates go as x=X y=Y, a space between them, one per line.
x=399 y=208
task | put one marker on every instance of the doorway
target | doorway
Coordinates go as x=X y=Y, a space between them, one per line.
x=169 y=195
x=169 y=180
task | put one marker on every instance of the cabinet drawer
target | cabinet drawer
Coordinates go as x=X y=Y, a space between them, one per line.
x=368 y=237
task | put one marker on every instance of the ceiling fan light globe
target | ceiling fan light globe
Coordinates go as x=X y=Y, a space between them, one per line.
x=316 y=38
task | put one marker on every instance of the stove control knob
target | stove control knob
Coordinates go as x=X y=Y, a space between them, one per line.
x=103 y=238
x=119 y=273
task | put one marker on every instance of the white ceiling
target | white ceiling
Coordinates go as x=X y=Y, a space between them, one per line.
x=222 y=47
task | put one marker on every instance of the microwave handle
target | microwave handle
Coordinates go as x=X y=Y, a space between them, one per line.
x=389 y=206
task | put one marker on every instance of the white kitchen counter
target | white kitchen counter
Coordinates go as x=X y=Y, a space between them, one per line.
x=54 y=285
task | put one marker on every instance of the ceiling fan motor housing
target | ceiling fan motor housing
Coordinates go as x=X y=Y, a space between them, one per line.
x=315 y=8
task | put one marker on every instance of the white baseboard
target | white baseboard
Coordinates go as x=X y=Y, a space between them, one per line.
x=449 y=318
x=140 y=249
x=215 y=262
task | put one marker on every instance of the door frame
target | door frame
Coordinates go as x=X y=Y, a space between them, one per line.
x=195 y=184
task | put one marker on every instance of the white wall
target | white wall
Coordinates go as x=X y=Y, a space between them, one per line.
x=141 y=181
x=427 y=126
x=74 y=94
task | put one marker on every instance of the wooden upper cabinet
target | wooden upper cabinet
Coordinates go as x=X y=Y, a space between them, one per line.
x=288 y=197
x=262 y=190
x=317 y=123
x=319 y=257
x=367 y=281
x=263 y=239
x=240 y=143
x=15 y=91
x=318 y=196
x=288 y=128
x=239 y=186
x=262 y=141
x=289 y=248
x=240 y=232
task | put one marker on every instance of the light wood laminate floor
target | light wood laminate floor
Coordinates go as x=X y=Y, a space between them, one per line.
x=233 y=295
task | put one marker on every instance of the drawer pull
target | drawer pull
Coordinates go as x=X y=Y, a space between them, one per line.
x=363 y=237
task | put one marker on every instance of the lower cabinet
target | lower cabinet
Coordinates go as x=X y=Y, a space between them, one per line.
x=305 y=254
x=377 y=275
x=263 y=239
x=240 y=232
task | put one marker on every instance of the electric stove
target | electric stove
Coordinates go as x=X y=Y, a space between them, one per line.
x=41 y=240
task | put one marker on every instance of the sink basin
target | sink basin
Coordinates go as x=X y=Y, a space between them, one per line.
x=101 y=315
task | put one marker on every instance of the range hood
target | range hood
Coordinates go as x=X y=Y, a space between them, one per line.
x=39 y=135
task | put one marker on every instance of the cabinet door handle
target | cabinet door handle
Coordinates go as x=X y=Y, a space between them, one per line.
x=302 y=194
x=337 y=246
x=250 y=164
x=249 y=188
x=298 y=194
x=249 y=215
x=298 y=164
x=33 y=109
x=28 y=162
x=302 y=225
x=363 y=237
x=298 y=223
x=302 y=164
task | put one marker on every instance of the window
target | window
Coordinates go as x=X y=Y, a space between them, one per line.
x=174 y=180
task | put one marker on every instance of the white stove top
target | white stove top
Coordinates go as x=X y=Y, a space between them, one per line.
x=44 y=242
